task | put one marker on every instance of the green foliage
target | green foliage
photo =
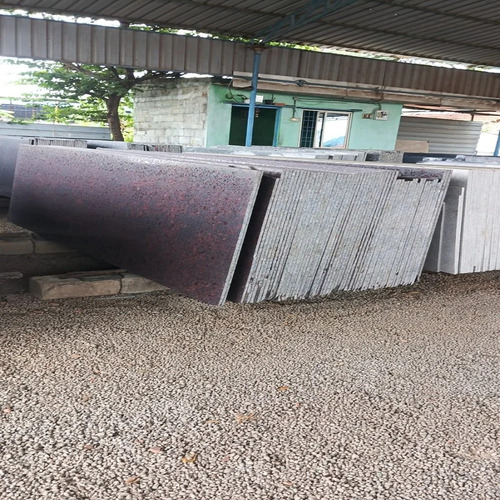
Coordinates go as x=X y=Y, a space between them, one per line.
x=67 y=111
x=77 y=81
x=81 y=92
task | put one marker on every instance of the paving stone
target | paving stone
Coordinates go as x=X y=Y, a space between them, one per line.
x=133 y=283
x=62 y=287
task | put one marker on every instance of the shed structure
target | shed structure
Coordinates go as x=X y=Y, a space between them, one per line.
x=463 y=32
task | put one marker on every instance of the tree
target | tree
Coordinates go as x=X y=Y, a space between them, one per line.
x=90 y=87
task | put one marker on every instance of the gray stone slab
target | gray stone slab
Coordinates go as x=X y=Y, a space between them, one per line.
x=133 y=283
x=63 y=287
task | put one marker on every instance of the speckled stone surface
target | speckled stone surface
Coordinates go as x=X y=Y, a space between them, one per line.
x=179 y=225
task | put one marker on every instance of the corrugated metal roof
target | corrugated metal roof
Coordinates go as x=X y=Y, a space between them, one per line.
x=72 y=42
x=466 y=31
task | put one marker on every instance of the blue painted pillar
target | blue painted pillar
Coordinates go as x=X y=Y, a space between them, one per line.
x=497 y=147
x=253 y=95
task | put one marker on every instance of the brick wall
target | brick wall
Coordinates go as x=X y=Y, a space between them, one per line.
x=173 y=112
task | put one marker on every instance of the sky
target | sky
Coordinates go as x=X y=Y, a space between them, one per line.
x=9 y=75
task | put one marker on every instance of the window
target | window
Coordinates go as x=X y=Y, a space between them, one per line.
x=324 y=129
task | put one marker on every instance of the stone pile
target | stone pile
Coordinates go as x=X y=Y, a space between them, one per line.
x=467 y=237
x=249 y=229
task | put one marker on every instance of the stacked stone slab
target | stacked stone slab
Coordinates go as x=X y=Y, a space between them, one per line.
x=9 y=147
x=298 y=229
x=344 y=232
x=395 y=235
x=316 y=229
x=179 y=225
x=467 y=237
x=164 y=148
x=282 y=152
x=437 y=158
x=56 y=141
x=135 y=146
x=405 y=229
x=335 y=226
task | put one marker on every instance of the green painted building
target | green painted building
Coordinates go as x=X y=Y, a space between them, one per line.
x=202 y=112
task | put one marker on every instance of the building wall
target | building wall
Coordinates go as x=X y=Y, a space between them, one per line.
x=173 y=112
x=364 y=133
x=194 y=112
x=443 y=136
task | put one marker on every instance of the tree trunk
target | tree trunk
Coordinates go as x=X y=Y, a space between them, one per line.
x=112 y=104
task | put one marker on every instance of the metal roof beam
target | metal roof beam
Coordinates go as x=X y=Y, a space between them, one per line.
x=306 y=14
x=433 y=10
x=432 y=39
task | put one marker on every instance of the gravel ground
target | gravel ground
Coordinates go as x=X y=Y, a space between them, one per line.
x=390 y=394
x=7 y=227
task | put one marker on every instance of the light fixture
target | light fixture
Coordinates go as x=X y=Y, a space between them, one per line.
x=294 y=117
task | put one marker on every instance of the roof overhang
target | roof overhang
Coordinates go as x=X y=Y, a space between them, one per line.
x=289 y=70
x=467 y=31
x=365 y=92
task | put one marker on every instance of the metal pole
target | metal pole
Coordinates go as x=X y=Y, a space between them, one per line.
x=497 y=147
x=253 y=95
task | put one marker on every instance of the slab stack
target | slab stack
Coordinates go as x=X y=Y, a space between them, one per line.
x=346 y=232
x=9 y=147
x=56 y=141
x=164 y=148
x=467 y=237
x=282 y=152
x=248 y=229
x=134 y=146
x=335 y=226
x=314 y=233
x=432 y=158
x=405 y=229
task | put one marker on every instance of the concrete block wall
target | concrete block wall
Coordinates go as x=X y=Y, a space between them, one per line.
x=172 y=112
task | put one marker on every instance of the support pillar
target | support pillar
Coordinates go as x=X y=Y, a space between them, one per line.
x=253 y=95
